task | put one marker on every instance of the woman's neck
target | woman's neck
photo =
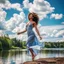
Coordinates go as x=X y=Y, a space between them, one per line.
x=31 y=20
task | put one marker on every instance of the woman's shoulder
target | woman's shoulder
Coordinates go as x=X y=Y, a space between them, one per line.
x=33 y=23
x=27 y=23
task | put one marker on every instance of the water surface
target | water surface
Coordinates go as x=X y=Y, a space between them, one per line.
x=19 y=56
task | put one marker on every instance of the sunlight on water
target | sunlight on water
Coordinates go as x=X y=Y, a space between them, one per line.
x=17 y=56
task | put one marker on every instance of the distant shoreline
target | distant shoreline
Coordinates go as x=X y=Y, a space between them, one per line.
x=48 y=49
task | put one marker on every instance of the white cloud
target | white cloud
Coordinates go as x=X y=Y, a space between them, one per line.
x=56 y=16
x=19 y=28
x=53 y=27
x=41 y=7
x=54 y=31
x=50 y=31
x=62 y=23
x=26 y=3
x=2 y=15
x=2 y=19
x=16 y=18
x=60 y=33
x=15 y=21
x=8 y=5
x=2 y=26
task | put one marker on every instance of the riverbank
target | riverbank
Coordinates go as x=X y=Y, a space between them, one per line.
x=47 y=61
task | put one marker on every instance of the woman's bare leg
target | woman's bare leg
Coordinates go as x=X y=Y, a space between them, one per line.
x=32 y=53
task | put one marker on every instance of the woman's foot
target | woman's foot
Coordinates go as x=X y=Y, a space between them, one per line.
x=33 y=57
x=32 y=53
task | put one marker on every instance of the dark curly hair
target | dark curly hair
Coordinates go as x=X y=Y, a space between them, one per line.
x=35 y=17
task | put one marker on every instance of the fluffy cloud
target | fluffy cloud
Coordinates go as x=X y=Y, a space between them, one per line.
x=26 y=3
x=50 y=31
x=56 y=16
x=41 y=7
x=2 y=19
x=8 y=5
x=60 y=33
x=54 y=27
x=62 y=23
x=2 y=26
x=2 y=15
x=19 y=28
x=15 y=21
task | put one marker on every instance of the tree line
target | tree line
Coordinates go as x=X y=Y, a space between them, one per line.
x=6 y=43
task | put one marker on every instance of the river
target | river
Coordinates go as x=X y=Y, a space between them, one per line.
x=19 y=56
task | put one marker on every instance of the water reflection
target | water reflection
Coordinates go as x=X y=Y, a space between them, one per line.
x=17 y=56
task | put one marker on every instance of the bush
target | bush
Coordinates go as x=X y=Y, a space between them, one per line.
x=6 y=43
x=0 y=45
x=23 y=44
x=54 y=44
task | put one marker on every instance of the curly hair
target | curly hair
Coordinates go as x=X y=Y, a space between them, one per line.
x=35 y=17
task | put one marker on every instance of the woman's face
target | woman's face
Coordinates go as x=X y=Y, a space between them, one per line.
x=31 y=17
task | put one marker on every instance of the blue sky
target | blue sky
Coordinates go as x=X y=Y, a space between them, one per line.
x=58 y=4
x=14 y=14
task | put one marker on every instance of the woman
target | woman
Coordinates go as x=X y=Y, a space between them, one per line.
x=32 y=39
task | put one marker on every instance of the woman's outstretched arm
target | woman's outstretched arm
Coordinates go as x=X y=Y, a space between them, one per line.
x=22 y=32
x=37 y=30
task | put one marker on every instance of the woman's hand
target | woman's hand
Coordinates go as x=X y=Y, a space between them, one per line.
x=40 y=38
x=18 y=33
